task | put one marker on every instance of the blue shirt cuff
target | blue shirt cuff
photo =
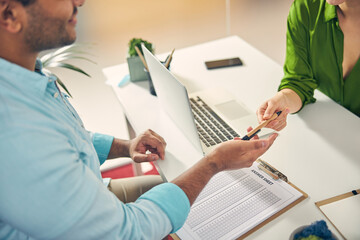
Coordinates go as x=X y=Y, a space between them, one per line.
x=172 y=200
x=102 y=144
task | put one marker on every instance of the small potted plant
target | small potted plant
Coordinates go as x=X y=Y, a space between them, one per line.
x=136 y=67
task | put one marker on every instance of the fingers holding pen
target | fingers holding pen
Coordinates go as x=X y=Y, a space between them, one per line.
x=261 y=111
x=277 y=103
x=280 y=122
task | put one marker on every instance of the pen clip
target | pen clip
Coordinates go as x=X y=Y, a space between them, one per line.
x=270 y=170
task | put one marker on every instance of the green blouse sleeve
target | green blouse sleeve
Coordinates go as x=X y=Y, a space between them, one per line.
x=298 y=75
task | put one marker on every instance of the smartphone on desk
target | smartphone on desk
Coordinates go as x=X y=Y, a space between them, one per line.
x=229 y=62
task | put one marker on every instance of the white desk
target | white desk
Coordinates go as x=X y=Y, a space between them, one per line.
x=319 y=149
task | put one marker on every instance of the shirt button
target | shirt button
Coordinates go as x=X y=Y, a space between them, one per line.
x=56 y=95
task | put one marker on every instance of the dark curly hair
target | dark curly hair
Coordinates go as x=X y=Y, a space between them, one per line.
x=26 y=2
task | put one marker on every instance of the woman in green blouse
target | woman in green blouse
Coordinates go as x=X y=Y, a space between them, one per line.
x=322 y=52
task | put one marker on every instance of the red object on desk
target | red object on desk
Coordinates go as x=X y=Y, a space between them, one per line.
x=125 y=171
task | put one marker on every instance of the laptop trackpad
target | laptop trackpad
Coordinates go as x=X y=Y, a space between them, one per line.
x=232 y=110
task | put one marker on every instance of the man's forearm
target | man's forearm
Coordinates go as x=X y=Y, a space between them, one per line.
x=194 y=180
x=119 y=148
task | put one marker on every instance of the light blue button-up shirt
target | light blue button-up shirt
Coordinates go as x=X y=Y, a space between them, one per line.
x=50 y=182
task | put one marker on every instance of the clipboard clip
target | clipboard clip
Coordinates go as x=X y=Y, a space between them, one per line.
x=271 y=171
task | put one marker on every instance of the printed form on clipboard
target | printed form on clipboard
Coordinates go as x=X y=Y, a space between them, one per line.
x=236 y=203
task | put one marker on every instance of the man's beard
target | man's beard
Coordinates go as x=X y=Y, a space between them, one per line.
x=45 y=33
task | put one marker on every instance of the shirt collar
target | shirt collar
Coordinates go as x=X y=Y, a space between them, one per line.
x=38 y=66
x=31 y=80
x=330 y=12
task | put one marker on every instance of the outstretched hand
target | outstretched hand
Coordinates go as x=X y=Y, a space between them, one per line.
x=233 y=154
x=237 y=153
x=147 y=147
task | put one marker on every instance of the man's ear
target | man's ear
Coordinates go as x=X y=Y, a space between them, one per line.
x=11 y=16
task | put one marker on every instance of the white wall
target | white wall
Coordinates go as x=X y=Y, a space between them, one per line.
x=262 y=23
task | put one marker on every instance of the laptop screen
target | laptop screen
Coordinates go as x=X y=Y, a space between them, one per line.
x=173 y=98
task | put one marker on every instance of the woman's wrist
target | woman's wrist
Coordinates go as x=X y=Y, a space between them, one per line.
x=291 y=99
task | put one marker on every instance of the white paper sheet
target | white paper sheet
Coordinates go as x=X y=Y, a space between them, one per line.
x=234 y=202
x=344 y=214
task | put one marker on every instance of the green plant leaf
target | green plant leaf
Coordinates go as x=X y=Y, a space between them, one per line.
x=71 y=48
x=137 y=42
x=62 y=85
x=57 y=52
x=48 y=73
x=67 y=66
x=58 y=58
x=65 y=57
x=74 y=48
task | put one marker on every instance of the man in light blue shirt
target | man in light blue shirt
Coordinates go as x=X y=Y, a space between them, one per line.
x=50 y=183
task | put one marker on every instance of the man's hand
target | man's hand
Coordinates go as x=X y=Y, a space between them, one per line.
x=237 y=154
x=147 y=147
x=232 y=154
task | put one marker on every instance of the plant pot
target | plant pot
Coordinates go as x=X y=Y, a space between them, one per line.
x=301 y=228
x=136 y=69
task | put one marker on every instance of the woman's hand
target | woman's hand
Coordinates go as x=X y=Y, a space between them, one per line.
x=286 y=101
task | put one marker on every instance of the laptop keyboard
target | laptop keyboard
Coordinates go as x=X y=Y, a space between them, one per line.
x=211 y=128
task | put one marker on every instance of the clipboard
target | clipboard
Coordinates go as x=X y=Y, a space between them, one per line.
x=319 y=204
x=276 y=175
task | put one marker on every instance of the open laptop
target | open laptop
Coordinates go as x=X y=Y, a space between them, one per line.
x=207 y=117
